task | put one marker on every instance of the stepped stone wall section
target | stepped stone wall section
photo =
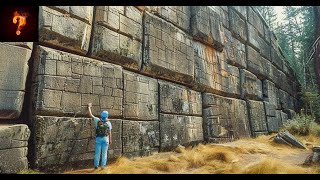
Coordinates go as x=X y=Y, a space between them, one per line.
x=13 y=147
x=168 y=75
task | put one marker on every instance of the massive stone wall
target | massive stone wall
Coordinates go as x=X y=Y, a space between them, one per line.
x=168 y=75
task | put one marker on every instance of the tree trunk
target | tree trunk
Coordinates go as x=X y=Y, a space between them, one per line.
x=317 y=50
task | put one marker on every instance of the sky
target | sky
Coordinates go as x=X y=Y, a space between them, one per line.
x=279 y=10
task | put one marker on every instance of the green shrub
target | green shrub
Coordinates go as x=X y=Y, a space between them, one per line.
x=303 y=125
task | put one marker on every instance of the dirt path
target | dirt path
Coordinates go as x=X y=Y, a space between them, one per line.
x=259 y=155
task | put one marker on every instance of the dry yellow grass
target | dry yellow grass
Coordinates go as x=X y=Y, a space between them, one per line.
x=245 y=156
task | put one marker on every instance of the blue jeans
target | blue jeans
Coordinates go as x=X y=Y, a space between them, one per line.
x=101 y=148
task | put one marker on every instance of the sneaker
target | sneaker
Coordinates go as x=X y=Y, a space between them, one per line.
x=95 y=167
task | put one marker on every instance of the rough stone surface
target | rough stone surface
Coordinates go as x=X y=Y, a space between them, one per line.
x=168 y=51
x=117 y=35
x=253 y=37
x=255 y=20
x=273 y=118
x=179 y=130
x=13 y=73
x=275 y=58
x=177 y=99
x=13 y=148
x=257 y=116
x=235 y=51
x=237 y=25
x=264 y=48
x=206 y=26
x=241 y=10
x=251 y=86
x=64 y=84
x=212 y=73
x=270 y=93
x=284 y=117
x=257 y=64
x=63 y=140
x=291 y=113
x=178 y=15
x=140 y=138
x=224 y=118
x=140 y=97
x=68 y=27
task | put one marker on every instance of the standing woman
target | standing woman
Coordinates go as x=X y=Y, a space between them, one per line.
x=103 y=137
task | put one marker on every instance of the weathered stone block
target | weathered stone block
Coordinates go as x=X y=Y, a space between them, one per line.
x=140 y=138
x=59 y=140
x=13 y=73
x=264 y=48
x=224 y=16
x=284 y=117
x=206 y=26
x=179 y=130
x=284 y=99
x=178 y=99
x=234 y=80
x=237 y=25
x=212 y=73
x=275 y=58
x=255 y=20
x=83 y=80
x=291 y=113
x=14 y=136
x=13 y=160
x=241 y=10
x=140 y=97
x=253 y=37
x=28 y=45
x=270 y=93
x=251 y=86
x=267 y=33
x=178 y=15
x=256 y=64
x=13 y=148
x=117 y=35
x=235 y=51
x=224 y=118
x=257 y=116
x=167 y=51
x=68 y=27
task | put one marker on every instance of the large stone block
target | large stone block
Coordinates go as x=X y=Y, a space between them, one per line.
x=224 y=118
x=237 y=25
x=264 y=48
x=284 y=117
x=253 y=37
x=117 y=35
x=14 y=136
x=273 y=117
x=255 y=20
x=256 y=64
x=257 y=116
x=284 y=99
x=206 y=26
x=234 y=80
x=178 y=15
x=68 y=27
x=179 y=130
x=168 y=51
x=270 y=93
x=140 y=97
x=13 y=71
x=241 y=10
x=177 y=99
x=235 y=51
x=140 y=138
x=13 y=148
x=224 y=16
x=13 y=160
x=267 y=33
x=251 y=86
x=63 y=140
x=275 y=58
x=212 y=73
x=63 y=84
